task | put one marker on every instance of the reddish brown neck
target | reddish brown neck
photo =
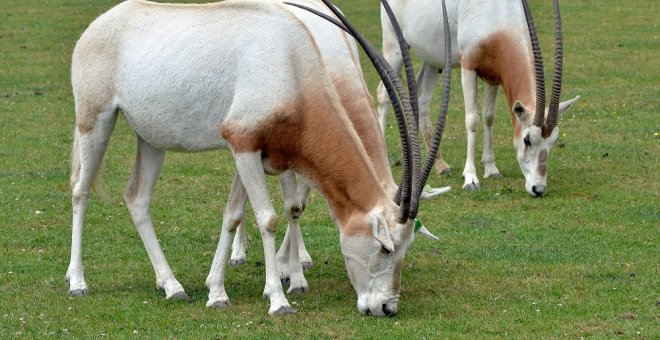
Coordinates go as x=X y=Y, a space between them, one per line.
x=500 y=59
x=361 y=113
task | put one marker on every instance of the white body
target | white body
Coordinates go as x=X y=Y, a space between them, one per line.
x=490 y=40
x=241 y=75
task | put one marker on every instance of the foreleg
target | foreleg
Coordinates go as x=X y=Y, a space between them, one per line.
x=250 y=169
x=469 y=82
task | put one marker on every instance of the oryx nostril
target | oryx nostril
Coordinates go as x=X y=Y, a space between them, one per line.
x=538 y=190
x=387 y=311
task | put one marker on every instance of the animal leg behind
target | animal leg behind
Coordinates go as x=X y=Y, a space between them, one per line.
x=426 y=81
x=392 y=55
x=469 y=82
x=302 y=193
x=137 y=196
x=239 y=246
x=288 y=258
x=231 y=219
x=488 y=156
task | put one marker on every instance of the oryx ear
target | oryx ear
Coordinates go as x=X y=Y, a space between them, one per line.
x=564 y=106
x=381 y=231
x=520 y=110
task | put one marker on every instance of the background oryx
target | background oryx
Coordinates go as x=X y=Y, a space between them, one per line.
x=246 y=76
x=490 y=40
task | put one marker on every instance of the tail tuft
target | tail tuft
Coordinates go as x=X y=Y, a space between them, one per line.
x=97 y=185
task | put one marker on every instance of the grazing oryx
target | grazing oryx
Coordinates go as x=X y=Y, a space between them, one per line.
x=340 y=56
x=490 y=40
x=246 y=76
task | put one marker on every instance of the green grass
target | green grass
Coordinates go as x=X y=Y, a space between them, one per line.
x=581 y=261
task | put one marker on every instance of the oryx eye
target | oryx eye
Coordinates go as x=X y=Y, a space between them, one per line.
x=526 y=140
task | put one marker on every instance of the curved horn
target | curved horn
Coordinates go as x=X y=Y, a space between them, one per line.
x=407 y=61
x=553 y=110
x=391 y=82
x=440 y=125
x=538 y=67
x=412 y=114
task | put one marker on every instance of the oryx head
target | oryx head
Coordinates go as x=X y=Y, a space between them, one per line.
x=374 y=261
x=539 y=131
x=374 y=243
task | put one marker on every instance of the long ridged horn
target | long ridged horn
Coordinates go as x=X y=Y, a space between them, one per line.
x=392 y=85
x=538 y=67
x=440 y=125
x=413 y=114
x=553 y=110
x=407 y=61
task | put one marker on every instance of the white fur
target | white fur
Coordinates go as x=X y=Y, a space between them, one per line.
x=180 y=73
x=470 y=22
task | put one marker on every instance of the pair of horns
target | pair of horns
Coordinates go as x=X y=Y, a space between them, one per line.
x=405 y=106
x=553 y=109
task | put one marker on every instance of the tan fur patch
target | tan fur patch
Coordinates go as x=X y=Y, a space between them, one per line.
x=315 y=137
x=500 y=60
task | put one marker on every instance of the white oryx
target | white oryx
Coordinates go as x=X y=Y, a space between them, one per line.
x=340 y=55
x=245 y=76
x=490 y=40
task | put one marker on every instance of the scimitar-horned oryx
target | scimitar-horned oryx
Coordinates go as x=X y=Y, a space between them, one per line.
x=245 y=76
x=491 y=41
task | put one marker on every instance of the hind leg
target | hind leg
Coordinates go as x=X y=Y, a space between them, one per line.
x=232 y=217
x=426 y=81
x=137 y=196
x=288 y=258
x=89 y=147
x=239 y=247
x=302 y=193
x=488 y=156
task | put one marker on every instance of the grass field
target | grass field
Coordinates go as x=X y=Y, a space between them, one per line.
x=583 y=261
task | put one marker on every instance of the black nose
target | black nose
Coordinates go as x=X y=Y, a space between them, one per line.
x=538 y=191
x=387 y=311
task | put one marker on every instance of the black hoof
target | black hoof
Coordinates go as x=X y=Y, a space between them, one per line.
x=471 y=186
x=236 y=263
x=77 y=292
x=181 y=296
x=447 y=172
x=285 y=310
x=285 y=281
x=220 y=305
x=299 y=290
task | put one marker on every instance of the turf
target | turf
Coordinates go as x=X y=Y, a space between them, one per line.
x=581 y=261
